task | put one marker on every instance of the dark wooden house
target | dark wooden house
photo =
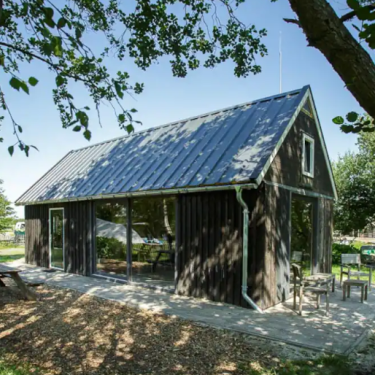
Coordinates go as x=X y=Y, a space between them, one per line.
x=231 y=195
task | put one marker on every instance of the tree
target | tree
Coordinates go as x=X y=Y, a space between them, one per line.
x=190 y=33
x=7 y=214
x=327 y=32
x=51 y=32
x=355 y=181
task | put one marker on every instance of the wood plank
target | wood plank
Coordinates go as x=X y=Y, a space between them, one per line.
x=26 y=292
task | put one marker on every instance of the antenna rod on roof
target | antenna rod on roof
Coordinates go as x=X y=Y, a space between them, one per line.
x=280 y=62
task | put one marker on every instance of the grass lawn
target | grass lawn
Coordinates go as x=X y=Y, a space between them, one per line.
x=11 y=245
x=10 y=258
x=336 y=271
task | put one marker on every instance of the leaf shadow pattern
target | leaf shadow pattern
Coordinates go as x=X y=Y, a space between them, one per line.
x=70 y=333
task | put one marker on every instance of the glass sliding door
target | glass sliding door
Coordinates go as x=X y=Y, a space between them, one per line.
x=56 y=238
x=111 y=246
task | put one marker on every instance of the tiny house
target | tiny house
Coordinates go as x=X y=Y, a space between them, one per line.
x=214 y=206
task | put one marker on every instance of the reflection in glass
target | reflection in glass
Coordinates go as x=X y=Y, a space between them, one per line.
x=57 y=238
x=153 y=253
x=111 y=239
x=301 y=239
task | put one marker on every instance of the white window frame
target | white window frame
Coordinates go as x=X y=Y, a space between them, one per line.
x=50 y=237
x=307 y=138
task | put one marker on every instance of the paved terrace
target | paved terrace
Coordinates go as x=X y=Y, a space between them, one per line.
x=340 y=332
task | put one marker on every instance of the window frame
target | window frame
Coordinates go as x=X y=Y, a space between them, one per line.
x=50 y=237
x=309 y=139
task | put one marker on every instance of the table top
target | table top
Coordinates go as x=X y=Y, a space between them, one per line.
x=321 y=276
x=7 y=270
x=355 y=282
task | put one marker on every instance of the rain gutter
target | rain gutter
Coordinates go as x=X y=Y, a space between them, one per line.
x=245 y=249
x=142 y=193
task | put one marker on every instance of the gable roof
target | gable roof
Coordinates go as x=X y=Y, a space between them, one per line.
x=228 y=146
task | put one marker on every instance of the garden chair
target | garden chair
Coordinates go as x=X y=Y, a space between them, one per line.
x=348 y=261
x=303 y=287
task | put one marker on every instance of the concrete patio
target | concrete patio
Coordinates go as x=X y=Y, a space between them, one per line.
x=346 y=326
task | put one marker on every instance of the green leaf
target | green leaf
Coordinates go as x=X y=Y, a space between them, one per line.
x=34 y=147
x=87 y=134
x=24 y=87
x=78 y=33
x=119 y=90
x=354 y=4
x=352 y=116
x=27 y=148
x=133 y=110
x=347 y=128
x=59 y=81
x=61 y=23
x=121 y=117
x=2 y=60
x=48 y=12
x=129 y=128
x=11 y=150
x=33 y=81
x=20 y=129
x=15 y=83
x=77 y=128
x=50 y=22
x=338 y=120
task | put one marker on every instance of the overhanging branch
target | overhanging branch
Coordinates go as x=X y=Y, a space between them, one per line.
x=292 y=20
x=352 y=14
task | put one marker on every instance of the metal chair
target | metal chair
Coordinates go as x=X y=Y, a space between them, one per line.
x=348 y=261
x=303 y=287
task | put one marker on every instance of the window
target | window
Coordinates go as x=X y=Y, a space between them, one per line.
x=308 y=156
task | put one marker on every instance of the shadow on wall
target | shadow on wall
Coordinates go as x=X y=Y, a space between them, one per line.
x=70 y=333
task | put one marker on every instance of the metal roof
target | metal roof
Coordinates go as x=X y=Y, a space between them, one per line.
x=223 y=147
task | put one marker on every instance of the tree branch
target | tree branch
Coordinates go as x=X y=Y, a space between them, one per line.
x=352 y=14
x=27 y=53
x=292 y=20
x=55 y=66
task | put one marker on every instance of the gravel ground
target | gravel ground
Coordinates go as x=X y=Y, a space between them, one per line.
x=71 y=333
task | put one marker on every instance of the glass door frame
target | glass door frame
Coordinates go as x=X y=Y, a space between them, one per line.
x=50 y=237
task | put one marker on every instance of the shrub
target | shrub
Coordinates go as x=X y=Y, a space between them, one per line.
x=338 y=249
x=109 y=248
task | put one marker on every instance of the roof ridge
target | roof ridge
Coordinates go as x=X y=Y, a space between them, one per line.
x=272 y=97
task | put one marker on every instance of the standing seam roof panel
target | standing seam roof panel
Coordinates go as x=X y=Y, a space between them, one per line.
x=221 y=147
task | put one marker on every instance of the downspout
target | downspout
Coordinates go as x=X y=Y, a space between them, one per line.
x=245 y=250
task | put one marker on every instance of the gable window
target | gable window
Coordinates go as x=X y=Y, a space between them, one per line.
x=307 y=156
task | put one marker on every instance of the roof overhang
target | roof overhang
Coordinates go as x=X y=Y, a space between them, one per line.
x=147 y=193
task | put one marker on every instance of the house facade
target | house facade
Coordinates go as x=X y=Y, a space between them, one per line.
x=212 y=207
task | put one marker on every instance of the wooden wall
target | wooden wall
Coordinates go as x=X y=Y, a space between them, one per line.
x=77 y=222
x=209 y=246
x=286 y=168
x=36 y=235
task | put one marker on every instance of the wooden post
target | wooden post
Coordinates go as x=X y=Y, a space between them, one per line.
x=129 y=239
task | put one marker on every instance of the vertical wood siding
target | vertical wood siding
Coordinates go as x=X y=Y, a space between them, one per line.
x=77 y=240
x=209 y=258
x=36 y=235
x=286 y=168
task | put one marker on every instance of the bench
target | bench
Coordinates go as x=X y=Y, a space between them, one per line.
x=14 y=275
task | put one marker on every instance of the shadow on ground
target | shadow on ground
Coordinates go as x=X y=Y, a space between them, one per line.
x=70 y=333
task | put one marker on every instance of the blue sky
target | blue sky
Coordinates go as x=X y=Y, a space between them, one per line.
x=167 y=99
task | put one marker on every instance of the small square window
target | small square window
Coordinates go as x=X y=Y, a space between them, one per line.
x=307 y=156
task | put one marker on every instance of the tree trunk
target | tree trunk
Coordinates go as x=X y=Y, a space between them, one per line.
x=326 y=32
